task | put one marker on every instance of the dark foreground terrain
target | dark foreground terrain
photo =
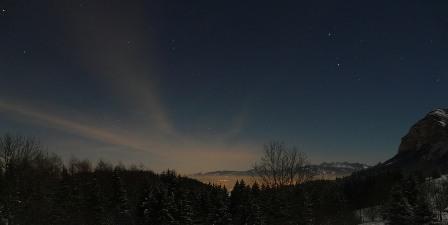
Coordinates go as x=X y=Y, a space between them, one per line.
x=37 y=188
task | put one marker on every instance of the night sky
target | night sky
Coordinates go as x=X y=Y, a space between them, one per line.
x=201 y=85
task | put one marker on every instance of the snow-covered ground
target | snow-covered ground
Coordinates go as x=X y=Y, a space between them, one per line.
x=372 y=216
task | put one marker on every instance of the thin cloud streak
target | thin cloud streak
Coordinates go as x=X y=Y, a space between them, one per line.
x=116 y=50
x=124 y=61
x=187 y=154
x=67 y=125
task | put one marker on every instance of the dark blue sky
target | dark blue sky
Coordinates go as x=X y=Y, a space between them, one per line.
x=201 y=85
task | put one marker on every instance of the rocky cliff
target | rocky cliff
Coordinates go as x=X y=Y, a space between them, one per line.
x=425 y=147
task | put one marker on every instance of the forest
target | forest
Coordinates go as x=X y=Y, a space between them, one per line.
x=38 y=188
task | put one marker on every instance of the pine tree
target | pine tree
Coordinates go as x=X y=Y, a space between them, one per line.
x=218 y=212
x=256 y=215
x=166 y=208
x=255 y=190
x=144 y=207
x=158 y=208
x=423 y=214
x=120 y=202
x=93 y=203
x=184 y=209
x=63 y=202
x=398 y=210
x=240 y=203
x=200 y=201
x=255 y=210
x=307 y=213
x=410 y=190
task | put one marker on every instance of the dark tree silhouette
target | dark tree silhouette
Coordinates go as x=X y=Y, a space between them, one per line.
x=281 y=166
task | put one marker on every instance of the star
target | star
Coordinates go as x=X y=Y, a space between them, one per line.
x=82 y=3
x=173 y=45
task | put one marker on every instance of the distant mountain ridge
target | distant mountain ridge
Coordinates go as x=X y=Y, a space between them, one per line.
x=338 y=169
x=325 y=168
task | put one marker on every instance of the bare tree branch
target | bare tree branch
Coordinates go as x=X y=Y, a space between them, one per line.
x=282 y=166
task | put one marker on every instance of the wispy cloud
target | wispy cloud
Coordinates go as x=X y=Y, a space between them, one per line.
x=117 y=51
x=186 y=153
x=69 y=125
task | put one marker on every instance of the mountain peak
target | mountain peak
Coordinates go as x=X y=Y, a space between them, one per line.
x=429 y=132
x=440 y=116
x=443 y=113
x=425 y=146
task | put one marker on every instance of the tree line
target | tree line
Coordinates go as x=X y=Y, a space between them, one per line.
x=38 y=188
